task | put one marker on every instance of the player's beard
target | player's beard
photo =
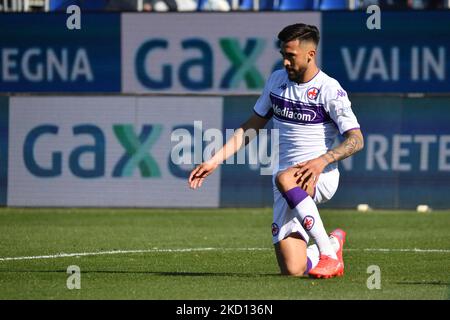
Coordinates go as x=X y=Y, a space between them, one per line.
x=296 y=75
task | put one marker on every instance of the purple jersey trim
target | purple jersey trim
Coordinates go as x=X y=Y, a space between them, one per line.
x=298 y=112
x=295 y=122
x=296 y=101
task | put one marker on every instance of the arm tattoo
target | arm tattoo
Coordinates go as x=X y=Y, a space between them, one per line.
x=352 y=144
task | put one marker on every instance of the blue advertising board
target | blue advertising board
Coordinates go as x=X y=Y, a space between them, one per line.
x=40 y=54
x=406 y=158
x=410 y=53
x=242 y=184
x=405 y=161
x=4 y=136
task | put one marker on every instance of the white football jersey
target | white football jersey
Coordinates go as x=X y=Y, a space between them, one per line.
x=308 y=116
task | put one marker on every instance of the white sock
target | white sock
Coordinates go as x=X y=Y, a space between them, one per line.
x=312 y=253
x=335 y=243
x=313 y=225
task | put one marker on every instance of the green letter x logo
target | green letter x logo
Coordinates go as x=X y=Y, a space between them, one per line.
x=242 y=63
x=137 y=150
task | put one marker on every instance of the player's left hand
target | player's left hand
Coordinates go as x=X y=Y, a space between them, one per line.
x=308 y=172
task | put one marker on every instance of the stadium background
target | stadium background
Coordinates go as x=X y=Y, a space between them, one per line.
x=72 y=102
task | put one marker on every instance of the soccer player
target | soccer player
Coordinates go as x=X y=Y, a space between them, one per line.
x=309 y=109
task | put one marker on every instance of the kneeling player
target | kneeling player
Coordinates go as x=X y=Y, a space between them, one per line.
x=309 y=109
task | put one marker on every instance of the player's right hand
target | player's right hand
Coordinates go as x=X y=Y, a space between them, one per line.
x=200 y=173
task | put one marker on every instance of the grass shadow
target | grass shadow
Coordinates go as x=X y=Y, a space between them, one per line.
x=169 y=273
x=159 y=273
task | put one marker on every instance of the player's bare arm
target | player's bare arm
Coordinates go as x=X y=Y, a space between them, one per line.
x=233 y=145
x=309 y=171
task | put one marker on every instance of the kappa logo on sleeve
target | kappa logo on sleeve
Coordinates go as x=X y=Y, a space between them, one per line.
x=283 y=86
x=340 y=93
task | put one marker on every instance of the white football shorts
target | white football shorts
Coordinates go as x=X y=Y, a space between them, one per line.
x=285 y=220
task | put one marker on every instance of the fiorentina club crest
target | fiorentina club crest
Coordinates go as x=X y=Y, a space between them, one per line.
x=275 y=229
x=313 y=93
x=308 y=223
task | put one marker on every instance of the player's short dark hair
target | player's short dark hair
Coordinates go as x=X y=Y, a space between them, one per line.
x=300 y=31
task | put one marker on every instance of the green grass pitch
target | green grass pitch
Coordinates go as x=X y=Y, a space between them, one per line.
x=213 y=254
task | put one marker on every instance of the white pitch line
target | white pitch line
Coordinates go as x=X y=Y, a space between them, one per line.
x=415 y=250
x=98 y=253
x=156 y=250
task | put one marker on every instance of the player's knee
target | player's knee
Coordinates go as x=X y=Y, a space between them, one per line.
x=284 y=180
